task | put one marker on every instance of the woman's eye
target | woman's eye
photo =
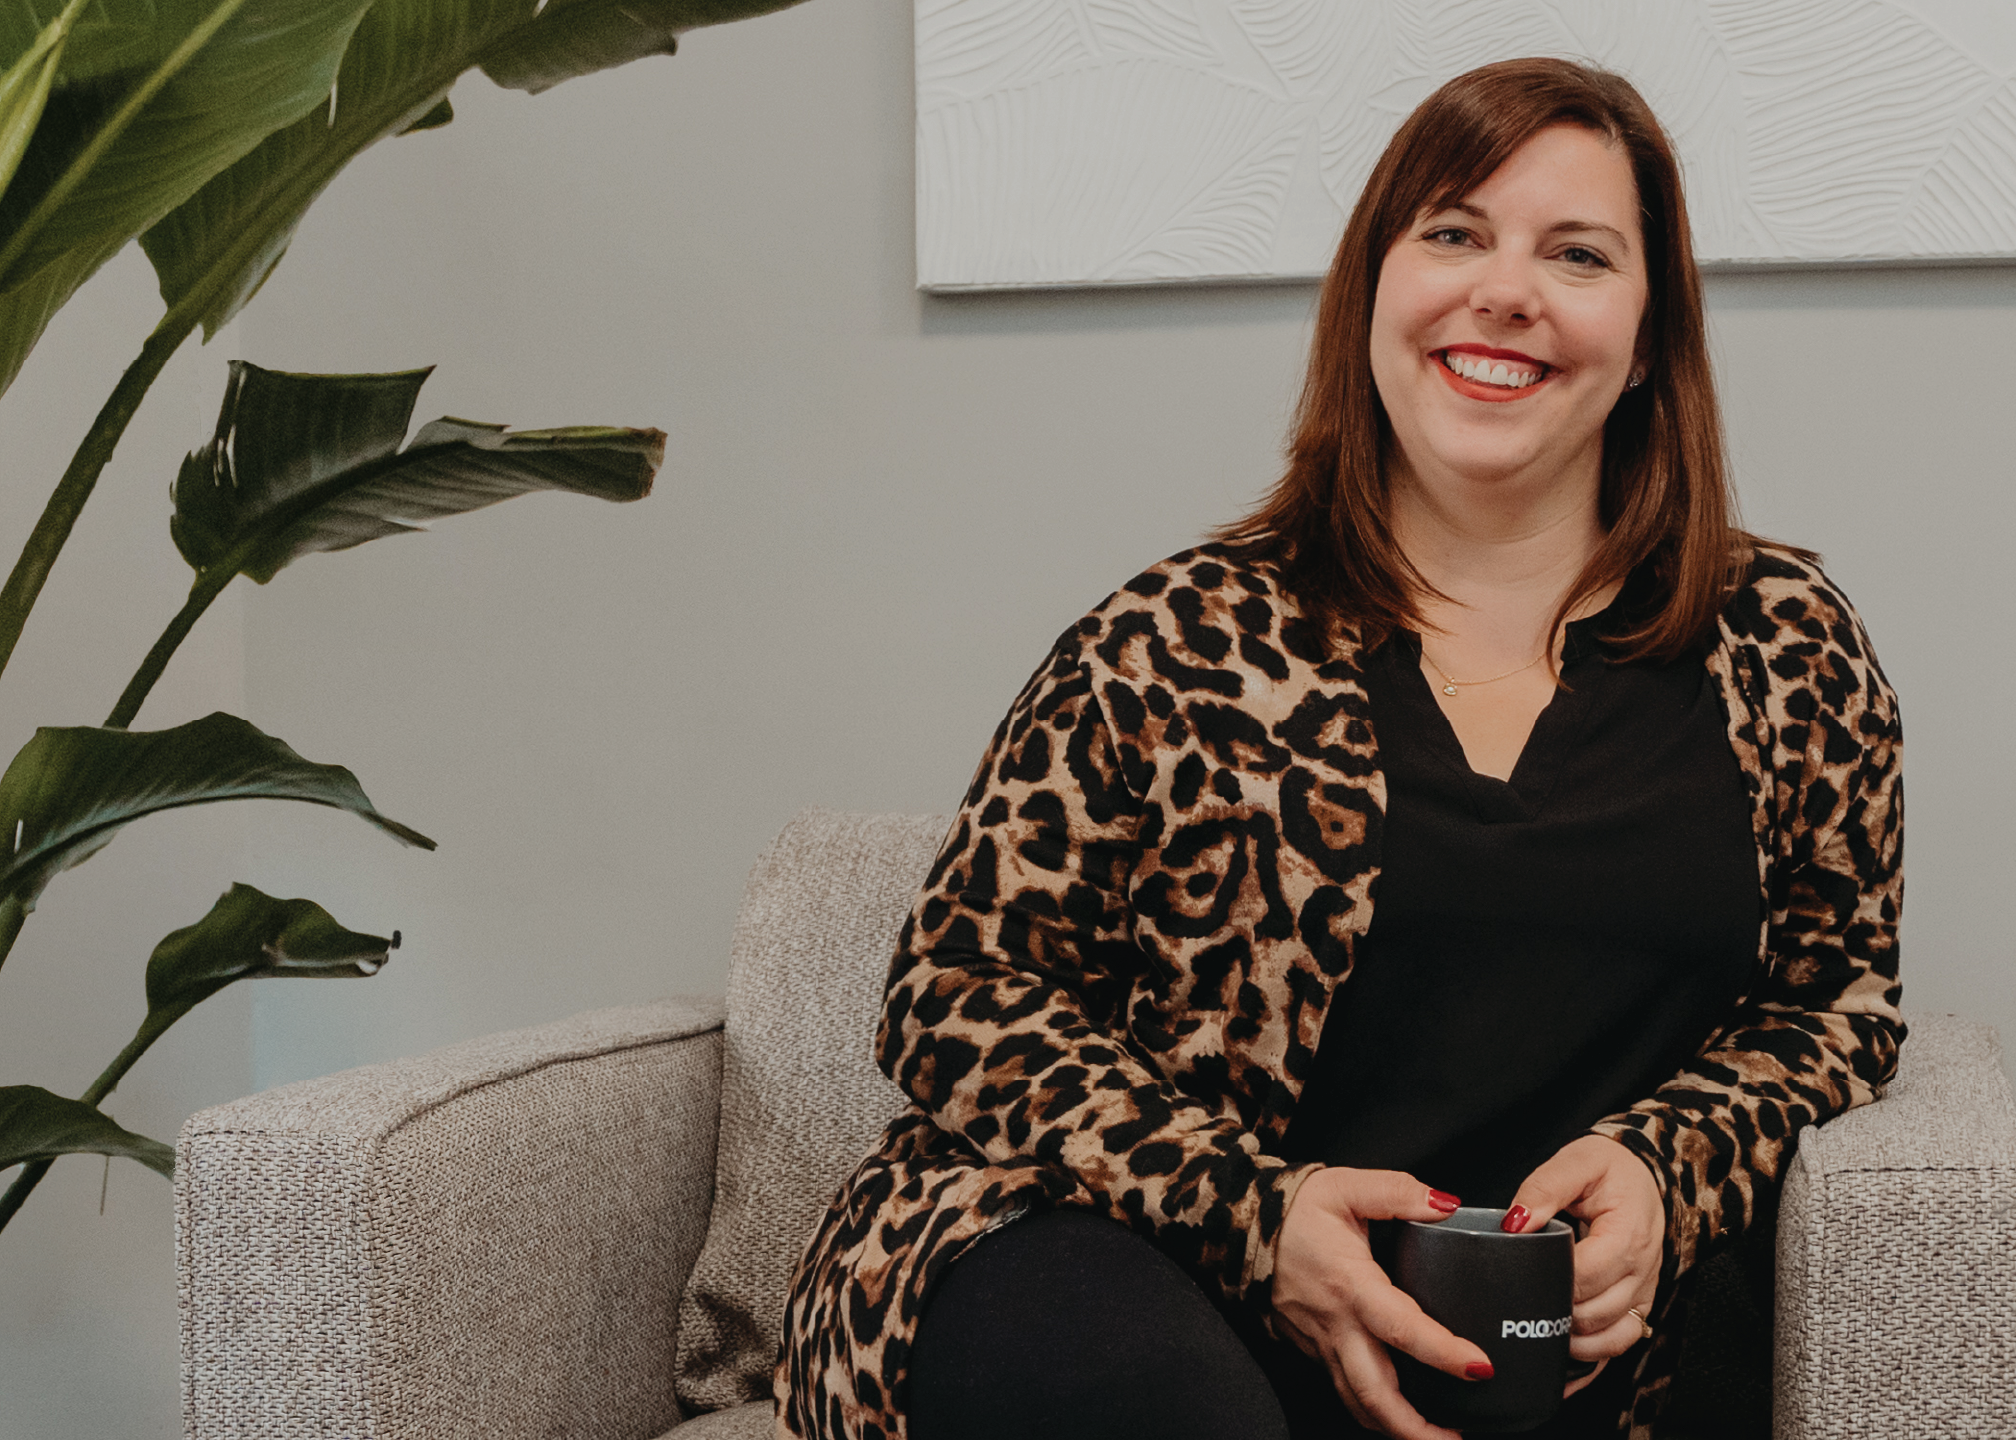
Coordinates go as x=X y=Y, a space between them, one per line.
x=1448 y=235
x=1582 y=256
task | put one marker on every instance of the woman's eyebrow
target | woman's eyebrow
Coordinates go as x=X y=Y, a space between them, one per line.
x=1559 y=227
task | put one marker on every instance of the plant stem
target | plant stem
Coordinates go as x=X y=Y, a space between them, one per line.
x=17 y=598
x=66 y=501
x=209 y=585
x=23 y=1186
x=150 y=1030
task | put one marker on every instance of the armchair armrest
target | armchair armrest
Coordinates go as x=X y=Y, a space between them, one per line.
x=1897 y=1253
x=487 y=1240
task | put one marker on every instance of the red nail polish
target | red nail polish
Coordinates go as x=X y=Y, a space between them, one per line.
x=1442 y=1200
x=1478 y=1370
x=1515 y=1220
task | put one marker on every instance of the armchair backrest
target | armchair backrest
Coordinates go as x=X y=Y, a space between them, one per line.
x=801 y=1098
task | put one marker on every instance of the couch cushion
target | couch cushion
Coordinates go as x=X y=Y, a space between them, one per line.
x=755 y=1421
x=801 y=1099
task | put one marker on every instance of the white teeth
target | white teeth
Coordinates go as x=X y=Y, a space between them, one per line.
x=1486 y=373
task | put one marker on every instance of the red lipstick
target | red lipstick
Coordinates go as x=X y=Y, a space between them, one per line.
x=1471 y=389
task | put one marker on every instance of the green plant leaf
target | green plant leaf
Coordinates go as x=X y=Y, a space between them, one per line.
x=70 y=790
x=119 y=148
x=24 y=88
x=36 y=1125
x=307 y=463
x=214 y=255
x=249 y=935
x=578 y=37
x=442 y=114
x=151 y=99
x=183 y=247
x=25 y=311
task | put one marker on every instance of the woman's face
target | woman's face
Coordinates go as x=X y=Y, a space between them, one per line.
x=1504 y=327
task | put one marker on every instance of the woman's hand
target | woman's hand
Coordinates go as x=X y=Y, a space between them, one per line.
x=1335 y=1303
x=1617 y=1259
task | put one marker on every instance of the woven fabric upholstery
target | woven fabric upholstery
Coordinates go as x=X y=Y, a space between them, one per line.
x=485 y=1241
x=492 y=1240
x=1897 y=1255
x=754 y=1421
x=801 y=1098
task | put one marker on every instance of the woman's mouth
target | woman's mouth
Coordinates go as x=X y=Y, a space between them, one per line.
x=1482 y=377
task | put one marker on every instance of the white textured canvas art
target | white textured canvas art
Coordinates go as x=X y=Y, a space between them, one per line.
x=1095 y=142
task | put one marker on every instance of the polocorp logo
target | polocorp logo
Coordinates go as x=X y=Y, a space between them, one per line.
x=1534 y=1329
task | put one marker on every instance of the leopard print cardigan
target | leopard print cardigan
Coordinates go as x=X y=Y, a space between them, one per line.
x=1112 y=986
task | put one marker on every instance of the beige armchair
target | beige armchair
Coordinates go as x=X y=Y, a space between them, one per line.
x=584 y=1229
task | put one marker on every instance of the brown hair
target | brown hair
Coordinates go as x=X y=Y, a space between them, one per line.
x=1664 y=495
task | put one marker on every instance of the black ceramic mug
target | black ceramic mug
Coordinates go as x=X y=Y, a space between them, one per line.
x=1511 y=1294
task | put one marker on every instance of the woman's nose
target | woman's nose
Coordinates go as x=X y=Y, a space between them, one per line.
x=1505 y=290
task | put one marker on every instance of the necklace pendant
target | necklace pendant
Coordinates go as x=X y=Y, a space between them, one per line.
x=1449 y=689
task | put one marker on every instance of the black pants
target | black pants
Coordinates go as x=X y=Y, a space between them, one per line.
x=1065 y=1324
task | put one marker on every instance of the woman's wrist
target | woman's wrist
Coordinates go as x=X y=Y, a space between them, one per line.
x=1277 y=1187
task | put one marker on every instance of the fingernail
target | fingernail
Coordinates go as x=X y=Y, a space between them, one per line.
x=1478 y=1370
x=1515 y=1220
x=1442 y=1200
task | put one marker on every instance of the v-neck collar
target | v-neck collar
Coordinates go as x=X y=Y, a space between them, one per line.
x=1557 y=729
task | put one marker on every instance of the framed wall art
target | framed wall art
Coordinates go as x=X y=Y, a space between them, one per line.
x=1132 y=142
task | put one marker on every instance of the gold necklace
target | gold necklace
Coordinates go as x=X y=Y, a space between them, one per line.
x=1450 y=682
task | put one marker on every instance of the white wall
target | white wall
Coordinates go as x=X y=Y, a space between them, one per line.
x=876 y=512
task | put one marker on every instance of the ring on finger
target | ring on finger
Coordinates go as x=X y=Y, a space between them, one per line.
x=1644 y=1325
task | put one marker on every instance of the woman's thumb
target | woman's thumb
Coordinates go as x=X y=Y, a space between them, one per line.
x=1552 y=1188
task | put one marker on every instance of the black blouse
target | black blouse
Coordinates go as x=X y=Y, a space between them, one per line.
x=1544 y=951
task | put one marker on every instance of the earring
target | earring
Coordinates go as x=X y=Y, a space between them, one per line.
x=1637 y=379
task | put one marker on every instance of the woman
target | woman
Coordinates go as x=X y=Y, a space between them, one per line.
x=1484 y=815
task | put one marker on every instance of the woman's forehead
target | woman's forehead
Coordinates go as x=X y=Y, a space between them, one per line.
x=1573 y=176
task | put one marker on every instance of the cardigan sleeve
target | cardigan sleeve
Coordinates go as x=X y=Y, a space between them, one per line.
x=1820 y=1032
x=1006 y=1017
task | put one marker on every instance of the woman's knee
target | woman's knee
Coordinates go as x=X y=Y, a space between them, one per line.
x=1064 y=1324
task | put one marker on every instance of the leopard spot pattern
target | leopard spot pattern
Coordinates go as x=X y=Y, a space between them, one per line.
x=1112 y=986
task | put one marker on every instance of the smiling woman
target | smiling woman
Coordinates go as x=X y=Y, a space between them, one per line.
x=1622 y=778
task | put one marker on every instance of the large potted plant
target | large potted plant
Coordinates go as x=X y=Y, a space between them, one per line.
x=205 y=129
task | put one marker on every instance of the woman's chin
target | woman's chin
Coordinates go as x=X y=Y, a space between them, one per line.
x=1497 y=469
x=1530 y=457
